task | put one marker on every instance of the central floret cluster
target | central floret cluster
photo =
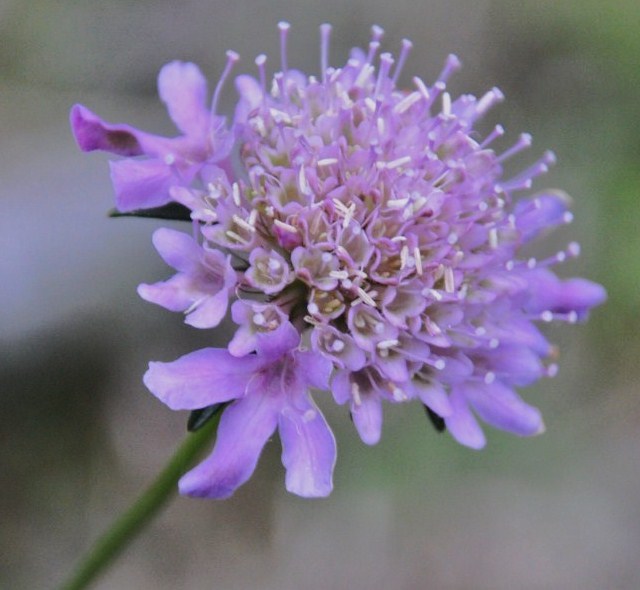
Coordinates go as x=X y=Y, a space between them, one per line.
x=372 y=245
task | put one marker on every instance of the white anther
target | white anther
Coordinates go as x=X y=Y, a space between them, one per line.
x=327 y=162
x=398 y=239
x=490 y=377
x=440 y=364
x=380 y=125
x=397 y=203
x=367 y=299
x=510 y=265
x=493 y=238
x=259 y=319
x=567 y=217
x=398 y=162
x=417 y=257
x=407 y=102
x=452 y=238
x=274 y=264
x=378 y=327
x=313 y=308
x=303 y=183
x=480 y=331
x=235 y=191
x=347 y=284
x=404 y=256
x=494 y=343
x=339 y=274
x=365 y=72
x=483 y=206
x=337 y=346
x=446 y=104
x=326 y=257
x=243 y=224
x=253 y=216
x=235 y=237
x=280 y=116
x=285 y=226
x=572 y=317
x=387 y=344
x=169 y=159
x=552 y=370
x=546 y=316
x=449 y=283
x=370 y=104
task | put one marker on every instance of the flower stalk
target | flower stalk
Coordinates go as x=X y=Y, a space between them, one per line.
x=125 y=529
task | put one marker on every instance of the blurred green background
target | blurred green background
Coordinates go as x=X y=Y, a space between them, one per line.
x=80 y=435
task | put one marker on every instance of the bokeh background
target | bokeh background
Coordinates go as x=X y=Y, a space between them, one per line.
x=79 y=434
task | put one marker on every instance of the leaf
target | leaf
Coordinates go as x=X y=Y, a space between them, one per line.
x=198 y=418
x=173 y=211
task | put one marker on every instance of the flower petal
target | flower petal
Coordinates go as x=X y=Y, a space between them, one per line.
x=502 y=408
x=183 y=88
x=201 y=378
x=462 y=424
x=178 y=250
x=210 y=312
x=367 y=418
x=308 y=449
x=244 y=428
x=316 y=369
x=174 y=294
x=141 y=184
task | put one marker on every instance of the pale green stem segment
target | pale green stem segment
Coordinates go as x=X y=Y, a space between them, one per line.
x=125 y=528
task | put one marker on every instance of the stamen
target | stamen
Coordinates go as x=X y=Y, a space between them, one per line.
x=407 y=102
x=259 y=319
x=386 y=61
x=365 y=72
x=261 y=60
x=235 y=192
x=339 y=274
x=404 y=53
x=491 y=98
x=498 y=131
x=232 y=58
x=325 y=36
x=451 y=65
x=446 y=104
x=373 y=49
x=366 y=298
x=524 y=142
x=449 y=283
x=284 y=30
x=493 y=238
x=418 y=260
x=327 y=162
x=285 y=226
x=337 y=346
x=384 y=344
x=243 y=224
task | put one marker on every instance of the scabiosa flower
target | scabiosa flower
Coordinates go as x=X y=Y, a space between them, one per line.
x=376 y=251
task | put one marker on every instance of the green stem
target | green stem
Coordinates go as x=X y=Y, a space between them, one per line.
x=125 y=528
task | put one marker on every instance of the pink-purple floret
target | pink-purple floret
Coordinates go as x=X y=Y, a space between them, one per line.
x=371 y=245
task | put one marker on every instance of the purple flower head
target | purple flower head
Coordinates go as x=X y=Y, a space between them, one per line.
x=372 y=223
